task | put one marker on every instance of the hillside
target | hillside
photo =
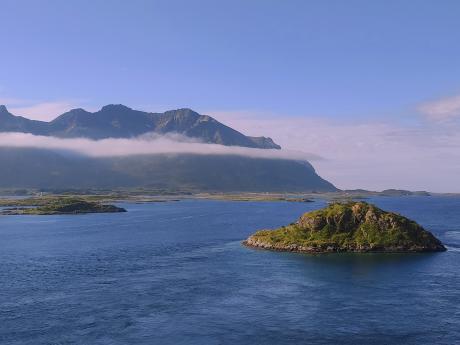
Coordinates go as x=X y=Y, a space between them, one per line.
x=39 y=168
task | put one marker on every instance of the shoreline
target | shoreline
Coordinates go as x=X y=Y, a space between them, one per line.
x=252 y=244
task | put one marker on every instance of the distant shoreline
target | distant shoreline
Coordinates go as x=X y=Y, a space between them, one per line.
x=32 y=197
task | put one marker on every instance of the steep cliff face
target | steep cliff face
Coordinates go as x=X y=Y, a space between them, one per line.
x=353 y=226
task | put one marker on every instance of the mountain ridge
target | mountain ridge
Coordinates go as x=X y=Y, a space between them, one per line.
x=120 y=121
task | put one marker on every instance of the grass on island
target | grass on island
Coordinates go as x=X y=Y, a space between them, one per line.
x=94 y=198
x=61 y=205
x=349 y=226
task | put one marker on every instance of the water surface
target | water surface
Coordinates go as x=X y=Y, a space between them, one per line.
x=176 y=273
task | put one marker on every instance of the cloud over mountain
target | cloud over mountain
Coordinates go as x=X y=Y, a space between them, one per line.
x=147 y=144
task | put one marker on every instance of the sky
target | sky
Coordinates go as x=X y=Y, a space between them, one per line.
x=372 y=87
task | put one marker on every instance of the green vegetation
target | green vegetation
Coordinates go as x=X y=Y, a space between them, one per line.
x=254 y=197
x=145 y=196
x=62 y=205
x=48 y=200
x=98 y=198
x=350 y=226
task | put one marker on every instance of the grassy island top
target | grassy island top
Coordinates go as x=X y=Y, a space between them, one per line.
x=350 y=226
x=63 y=205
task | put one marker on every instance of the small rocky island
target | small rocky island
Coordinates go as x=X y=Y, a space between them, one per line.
x=54 y=206
x=348 y=227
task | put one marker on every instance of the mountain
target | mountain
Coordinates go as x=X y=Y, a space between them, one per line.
x=119 y=121
x=40 y=168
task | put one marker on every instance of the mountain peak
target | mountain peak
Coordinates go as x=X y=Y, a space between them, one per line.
x=115 y=107
x=186 y=110
x=182 y=112
x=4 y=112
x=74 y=112
x=77 y=110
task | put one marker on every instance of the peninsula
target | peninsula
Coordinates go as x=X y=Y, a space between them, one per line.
x=348 y=227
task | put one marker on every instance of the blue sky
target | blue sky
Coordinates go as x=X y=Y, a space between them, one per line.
x=250 y=63
x=332 y=58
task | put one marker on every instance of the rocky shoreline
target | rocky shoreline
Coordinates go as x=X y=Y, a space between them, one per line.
x=294 y=248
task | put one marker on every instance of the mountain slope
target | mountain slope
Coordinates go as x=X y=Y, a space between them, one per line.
x=119 y=121
x=11 y=123
x=39 y=168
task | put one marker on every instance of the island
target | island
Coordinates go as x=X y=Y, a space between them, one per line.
x=348 y=227
x=56 y=206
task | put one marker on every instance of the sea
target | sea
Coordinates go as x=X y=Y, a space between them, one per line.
x=176 y=273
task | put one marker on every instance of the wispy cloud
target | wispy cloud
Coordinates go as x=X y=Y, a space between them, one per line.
x=44 y=111
x=145 y=144
x=371 y=155
x=442 y=109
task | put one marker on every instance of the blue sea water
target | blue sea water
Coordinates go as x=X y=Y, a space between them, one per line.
x=176 y=273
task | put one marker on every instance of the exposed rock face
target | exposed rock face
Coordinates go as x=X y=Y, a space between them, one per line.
x=348 y=227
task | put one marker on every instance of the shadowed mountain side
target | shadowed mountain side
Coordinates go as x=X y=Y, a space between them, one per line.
x=37 y=168
x=119 y=121
x=222 y=173
x=40 y=168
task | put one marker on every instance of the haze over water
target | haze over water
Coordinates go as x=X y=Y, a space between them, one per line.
x=176 y=273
